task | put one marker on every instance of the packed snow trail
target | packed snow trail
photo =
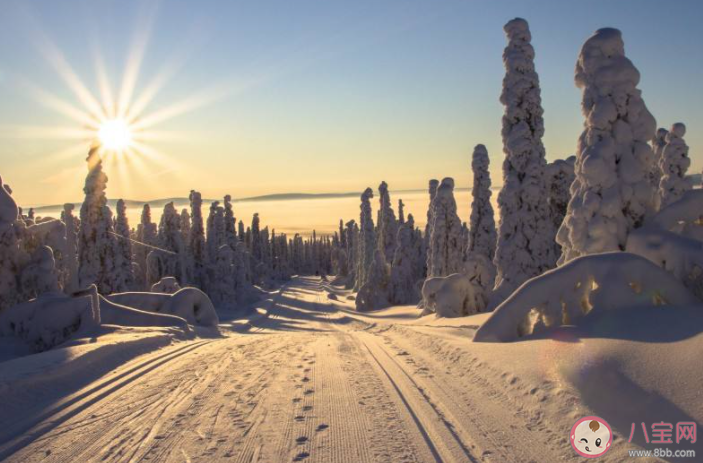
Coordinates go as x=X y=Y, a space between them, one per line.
x=310 y=382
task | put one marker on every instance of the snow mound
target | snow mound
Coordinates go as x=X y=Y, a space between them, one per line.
x=166 y=285
x=50 y=319
x=453 y=296
x=589 y=284
x=191 y=304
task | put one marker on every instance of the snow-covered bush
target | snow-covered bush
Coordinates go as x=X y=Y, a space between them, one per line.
x=387 y=224
x=374 y=293
x=444 y=252
x=673 y=165
x=191 y=304
x=526 y=232
x=49 y=320
x=166 y=285
x=452 y=296
x=612 y=193
x=481 y=243
x=589 y=284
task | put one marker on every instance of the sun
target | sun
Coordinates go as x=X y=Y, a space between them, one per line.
x=115 y=134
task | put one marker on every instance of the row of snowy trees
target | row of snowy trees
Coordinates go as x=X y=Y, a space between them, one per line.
x=217 y=255
x=550 y=213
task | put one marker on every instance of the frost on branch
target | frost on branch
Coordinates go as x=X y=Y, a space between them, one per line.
x=674 y=164
x=589 y=284
x=612 y=193
x=526 y=233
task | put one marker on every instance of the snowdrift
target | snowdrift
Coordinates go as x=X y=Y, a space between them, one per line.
x=190 y=304
x=589 y=284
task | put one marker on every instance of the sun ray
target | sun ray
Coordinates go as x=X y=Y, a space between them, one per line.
x=60 y=106
x=45 y=132
x=108 y=99
x=137 y=51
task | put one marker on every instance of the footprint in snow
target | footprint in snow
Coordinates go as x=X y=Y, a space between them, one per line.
x=322 y=427
x=301 y=440
x=301 y=456
x=309 y=391
x=307 y=408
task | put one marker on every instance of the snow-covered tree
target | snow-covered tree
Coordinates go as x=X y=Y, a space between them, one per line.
x=230 y=223
x=123 y=257
x=401 y=212
x=367 y=240
x=526 y=233
x=373 y=294
x=444 y=255
x=196 y=242
x=96 y=240
x=482 y=227
x=71 y=258
x=387 y=224
x=434 y=184
x=560 y=176
x=146 y=236
x=185 y=224
x=658 y=144
x=674 y=164
x=9 y=214
x=403 y=269
x=215 y=230
x=612 y=193
x=170 y=258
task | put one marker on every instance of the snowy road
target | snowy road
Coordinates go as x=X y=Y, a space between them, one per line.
x=311 y=382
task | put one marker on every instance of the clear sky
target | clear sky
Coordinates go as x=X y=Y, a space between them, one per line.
x=311 y=96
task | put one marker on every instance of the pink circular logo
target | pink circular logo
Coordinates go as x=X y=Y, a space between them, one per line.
x=591 y=437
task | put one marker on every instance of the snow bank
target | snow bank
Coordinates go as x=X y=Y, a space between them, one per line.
x=191 y=304
x=166 y=285
x=50 y=319
x=588 y=284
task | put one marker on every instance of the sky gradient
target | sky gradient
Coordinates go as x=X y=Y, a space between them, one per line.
x=312 y=96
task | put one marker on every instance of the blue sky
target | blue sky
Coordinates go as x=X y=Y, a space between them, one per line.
x=321 y=96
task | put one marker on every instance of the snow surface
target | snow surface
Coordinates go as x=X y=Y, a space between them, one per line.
x=306 y=377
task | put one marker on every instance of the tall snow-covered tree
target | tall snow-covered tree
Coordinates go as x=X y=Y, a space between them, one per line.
x=658 y=144
x=170 y=259
x=185 y=224
x=373 y=294
x=387 y=224
x=401 y=212
x=215 y=230
x=9 y=214
x=230 y=223
x=674 y=164
x=403 y=269
x=526 y=233
x=146 y=236
x=444 y=255
x=611 y=194
x=196 y=242
x=434 y=184
x=482 y=227
x=560 y=176
x=123 y=257
x=71 y=259
x=367 y=240
x=96 y=240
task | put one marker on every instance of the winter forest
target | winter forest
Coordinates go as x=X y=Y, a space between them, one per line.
x=580 y=295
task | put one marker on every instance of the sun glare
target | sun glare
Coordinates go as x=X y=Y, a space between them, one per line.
x=115 y=135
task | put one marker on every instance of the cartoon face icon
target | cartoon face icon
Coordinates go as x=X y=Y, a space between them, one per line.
x=591 y=437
